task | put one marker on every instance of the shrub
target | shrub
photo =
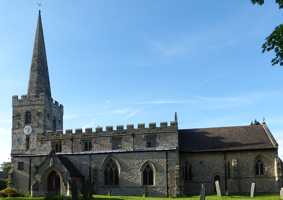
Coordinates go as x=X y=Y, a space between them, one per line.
x=3 y=184
x=9 y=192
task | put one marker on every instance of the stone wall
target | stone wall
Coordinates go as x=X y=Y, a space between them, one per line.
x=91 y=167
x=205 y=166
x=132 y=139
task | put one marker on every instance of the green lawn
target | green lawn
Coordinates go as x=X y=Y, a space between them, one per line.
x=210 y=197
x=105 y=197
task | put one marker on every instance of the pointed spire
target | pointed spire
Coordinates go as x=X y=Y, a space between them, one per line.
x=39 y=77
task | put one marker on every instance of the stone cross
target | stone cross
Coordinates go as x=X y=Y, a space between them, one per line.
x=202 y=192
x=281 y=193
x=217 y=186
x=252 y=190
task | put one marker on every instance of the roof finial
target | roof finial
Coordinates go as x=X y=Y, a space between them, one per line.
x=176 y=117
x=263 y=120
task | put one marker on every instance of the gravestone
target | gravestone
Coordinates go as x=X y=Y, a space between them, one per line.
x=74 y=190
x=281 y=193
x=252 y=190
x=217 y=186
x=202 y=192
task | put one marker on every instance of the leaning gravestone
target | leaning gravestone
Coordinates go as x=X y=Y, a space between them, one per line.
x=252 y=190
x=281 y=193
x=217 y=186
x=202 y=192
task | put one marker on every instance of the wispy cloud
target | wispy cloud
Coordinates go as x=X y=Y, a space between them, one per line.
x=215 y=102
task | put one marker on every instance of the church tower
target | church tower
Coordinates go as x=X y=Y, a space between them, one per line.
x=35 y=113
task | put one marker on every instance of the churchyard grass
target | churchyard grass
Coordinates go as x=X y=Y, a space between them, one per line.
x=106 y=197
x=209 y=197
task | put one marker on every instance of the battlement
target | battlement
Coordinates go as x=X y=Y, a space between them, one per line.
x=57 y=104
x=163 y=127
x=41 y=99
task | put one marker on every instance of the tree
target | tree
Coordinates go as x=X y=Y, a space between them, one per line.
x=274 y=42
x=6 y=167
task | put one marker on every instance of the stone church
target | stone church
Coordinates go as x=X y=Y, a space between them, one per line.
x=154 y=160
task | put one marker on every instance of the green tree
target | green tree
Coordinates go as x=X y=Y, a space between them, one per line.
x=274 y=42
x=6 y=167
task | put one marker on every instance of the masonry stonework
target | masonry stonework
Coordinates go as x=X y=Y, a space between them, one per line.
x=154 y=160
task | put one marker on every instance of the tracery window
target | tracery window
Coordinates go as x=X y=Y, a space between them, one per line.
x=147 y=175
x=259 y=168
x=111 y=173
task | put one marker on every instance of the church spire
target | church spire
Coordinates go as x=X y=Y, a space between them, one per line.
x=39 y=77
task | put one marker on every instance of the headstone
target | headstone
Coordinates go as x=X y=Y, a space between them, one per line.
x=281 y=193
x=252 y=190
x=202 y=192
x=217 y=186
x=74 y=189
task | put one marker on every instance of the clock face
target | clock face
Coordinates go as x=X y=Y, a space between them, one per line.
x=27 y=129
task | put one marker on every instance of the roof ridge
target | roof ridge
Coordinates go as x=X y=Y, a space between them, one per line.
x=236 y=126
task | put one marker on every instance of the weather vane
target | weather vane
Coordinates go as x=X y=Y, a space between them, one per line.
x=39 y=5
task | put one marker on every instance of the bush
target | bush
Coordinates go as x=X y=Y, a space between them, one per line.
x=3 y=184
x=9 y=192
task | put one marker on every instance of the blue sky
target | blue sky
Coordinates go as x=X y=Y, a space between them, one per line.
x=131 y=61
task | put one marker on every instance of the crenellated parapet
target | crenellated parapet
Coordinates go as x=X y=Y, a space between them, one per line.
x=164 y=126
x=129 y=129
x=41 y=99
x=112 y=139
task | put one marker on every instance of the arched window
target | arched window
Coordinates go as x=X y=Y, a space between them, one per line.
x=259 y=168
x=54 y=127
x=228 y=170
x=27 y=117
x=111 y=173
x=187 y=172
x=147 y=175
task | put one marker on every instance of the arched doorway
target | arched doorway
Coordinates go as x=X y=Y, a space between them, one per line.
x=53 y=183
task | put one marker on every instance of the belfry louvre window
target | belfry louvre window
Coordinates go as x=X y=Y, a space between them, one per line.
x=111 y=173
x=27 y=117
x=56 y=146
x=147 y=175
x=86 y=145
x=150 y=141
x=116 y=143
x=259 y=168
